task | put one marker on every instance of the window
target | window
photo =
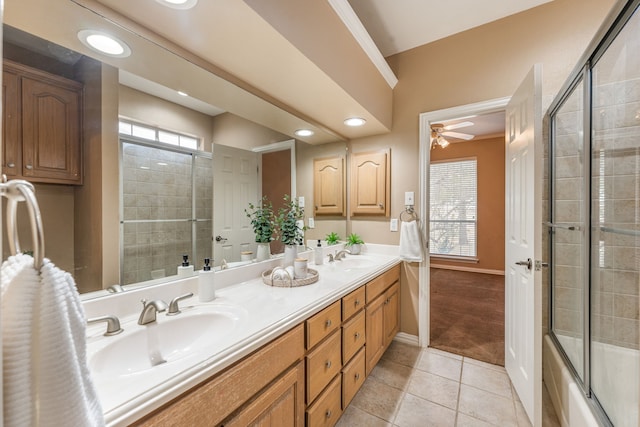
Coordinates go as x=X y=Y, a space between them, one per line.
x=159 y=135
x=454 y=206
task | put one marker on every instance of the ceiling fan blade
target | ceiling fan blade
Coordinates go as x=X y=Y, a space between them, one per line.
x=459 y=135
x=458 y=125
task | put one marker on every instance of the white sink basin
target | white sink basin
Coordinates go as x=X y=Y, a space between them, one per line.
x=170 y=338
x=354 y=263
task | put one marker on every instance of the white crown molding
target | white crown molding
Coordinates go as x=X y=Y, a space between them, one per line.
x=353 y=23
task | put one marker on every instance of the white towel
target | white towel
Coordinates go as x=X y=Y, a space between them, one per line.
x=46 y=377
x=410 y=242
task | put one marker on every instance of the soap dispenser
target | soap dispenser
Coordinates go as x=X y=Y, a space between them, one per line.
x=318 y=254
x=206 y=283
x=185 y=270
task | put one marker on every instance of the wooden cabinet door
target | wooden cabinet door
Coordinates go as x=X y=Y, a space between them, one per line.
x=370 y=183
x=11 y=151
x=328 y=186
x=391 y=313
x=50 y=131
x=375 y=332
x=282 y=404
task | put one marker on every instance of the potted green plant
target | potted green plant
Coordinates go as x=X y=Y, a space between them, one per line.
x=291 y=234
x=354 y=242
x=263 y=222
x=332 y=238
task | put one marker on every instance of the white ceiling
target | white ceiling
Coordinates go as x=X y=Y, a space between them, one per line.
x=396 y=26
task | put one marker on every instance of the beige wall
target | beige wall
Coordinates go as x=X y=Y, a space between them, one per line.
x=234 y=131
x=477 y=65
x=489 y=154
x=163 y=114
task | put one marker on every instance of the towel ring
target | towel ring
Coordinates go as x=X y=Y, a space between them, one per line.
x=408 y=215
x=16 y=191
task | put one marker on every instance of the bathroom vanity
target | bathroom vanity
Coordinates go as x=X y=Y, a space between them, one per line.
x=294 y=356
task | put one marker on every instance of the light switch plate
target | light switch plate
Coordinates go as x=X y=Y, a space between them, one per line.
x=312 y=223
x=409 y=199
x=301 y=201
x=394 y=224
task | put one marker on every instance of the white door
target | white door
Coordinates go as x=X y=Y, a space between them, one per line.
x=235 y=184
x=523 y=303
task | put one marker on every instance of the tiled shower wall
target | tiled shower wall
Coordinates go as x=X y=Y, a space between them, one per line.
x=157 y=199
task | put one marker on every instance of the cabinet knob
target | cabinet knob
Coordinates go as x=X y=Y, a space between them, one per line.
x=357 y=376
x=381 y=205
x=11 y=165
x=357 y=303
x=328 y=323
x=357 y=335
x=29 y=167
x=328 y=364
x=328 y=413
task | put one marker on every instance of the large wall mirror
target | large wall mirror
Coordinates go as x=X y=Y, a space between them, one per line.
x=144 y=199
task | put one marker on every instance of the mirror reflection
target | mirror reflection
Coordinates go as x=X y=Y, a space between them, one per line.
x=143 y=201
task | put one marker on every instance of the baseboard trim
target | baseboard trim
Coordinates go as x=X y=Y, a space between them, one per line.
x=407 y=339
x=469 y=269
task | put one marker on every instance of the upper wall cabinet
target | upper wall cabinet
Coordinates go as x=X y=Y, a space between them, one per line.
x=328 y=186
x=41 y=126
x=370 y=183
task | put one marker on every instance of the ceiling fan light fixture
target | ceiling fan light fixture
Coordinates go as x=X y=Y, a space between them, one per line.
x=442 y=142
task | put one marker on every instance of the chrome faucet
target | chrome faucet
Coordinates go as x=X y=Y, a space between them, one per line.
x=173 y=305
x=341 y=254
x=149 y=310
x=113 y=324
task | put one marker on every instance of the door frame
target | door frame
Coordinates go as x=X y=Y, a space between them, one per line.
x=426 y=119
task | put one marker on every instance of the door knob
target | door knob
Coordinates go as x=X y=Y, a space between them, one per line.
x=528 y=263
x=221 y=239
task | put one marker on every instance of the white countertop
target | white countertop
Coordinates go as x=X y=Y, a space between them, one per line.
x=265 y=312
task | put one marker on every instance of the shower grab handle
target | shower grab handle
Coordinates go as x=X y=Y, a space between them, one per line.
x=563 y=226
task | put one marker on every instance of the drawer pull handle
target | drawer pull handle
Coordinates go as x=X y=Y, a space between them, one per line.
x=11 y=165
x=328 y=413
x=328 y=323
x=357 y=335
x=357 y=302
x=357 y=376
x=328 y=364
x=29 y=167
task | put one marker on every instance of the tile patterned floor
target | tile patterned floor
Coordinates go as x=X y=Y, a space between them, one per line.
x=422 y=388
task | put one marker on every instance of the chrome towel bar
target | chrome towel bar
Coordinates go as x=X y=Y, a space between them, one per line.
x=19 y=190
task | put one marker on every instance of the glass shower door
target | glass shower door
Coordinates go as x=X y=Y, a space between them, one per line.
x=615 y=227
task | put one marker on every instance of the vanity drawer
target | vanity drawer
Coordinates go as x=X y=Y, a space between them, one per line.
x=353 y=303
x=327 y=409
x=323 y=364
x=353 y=336
x=353 y=375
x=322 y=324
x=382 y=282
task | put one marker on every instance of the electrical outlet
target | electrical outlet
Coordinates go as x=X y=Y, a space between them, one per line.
x=409 y=198
x=312 y=223
x=394 y=224
x=301 y=201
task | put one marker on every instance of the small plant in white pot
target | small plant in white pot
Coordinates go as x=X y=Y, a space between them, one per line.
x=291 y=234
x=332 y=238
x=354 y=243
x=263 y=222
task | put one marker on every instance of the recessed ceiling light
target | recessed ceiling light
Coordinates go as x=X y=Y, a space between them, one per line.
x=304 y=132
x=355 y=121
x=178 y=4
x=104 y=43
x=181 y=93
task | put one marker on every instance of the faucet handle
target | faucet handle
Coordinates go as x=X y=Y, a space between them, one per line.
x=330 y=257
x=173 y=305
x=113 y=324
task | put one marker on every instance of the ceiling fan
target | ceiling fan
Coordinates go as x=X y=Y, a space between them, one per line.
x=439 y=131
